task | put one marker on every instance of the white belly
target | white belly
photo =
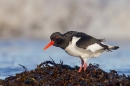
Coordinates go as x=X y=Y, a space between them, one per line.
x=71 y=50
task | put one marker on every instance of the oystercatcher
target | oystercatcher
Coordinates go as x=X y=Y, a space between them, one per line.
x=80 y=45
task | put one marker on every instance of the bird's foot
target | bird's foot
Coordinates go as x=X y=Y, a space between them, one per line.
x=85 y=67
x=80 y=69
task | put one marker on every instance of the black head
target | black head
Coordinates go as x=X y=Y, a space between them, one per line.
x=58 y=40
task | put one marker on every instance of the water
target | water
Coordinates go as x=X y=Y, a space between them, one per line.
x=31 y=53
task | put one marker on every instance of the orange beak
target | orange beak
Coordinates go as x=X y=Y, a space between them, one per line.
x=47 y=46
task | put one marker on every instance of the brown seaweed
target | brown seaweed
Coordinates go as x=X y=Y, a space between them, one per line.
x=49 y=73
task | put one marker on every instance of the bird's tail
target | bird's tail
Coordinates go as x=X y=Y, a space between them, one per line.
x=109 y=48
x=113 y=47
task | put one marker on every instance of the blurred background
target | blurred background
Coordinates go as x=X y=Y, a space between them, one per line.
x=26 y=26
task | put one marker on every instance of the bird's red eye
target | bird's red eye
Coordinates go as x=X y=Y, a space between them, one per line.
x=56 y=37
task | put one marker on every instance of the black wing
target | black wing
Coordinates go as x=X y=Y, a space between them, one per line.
x=87 y=40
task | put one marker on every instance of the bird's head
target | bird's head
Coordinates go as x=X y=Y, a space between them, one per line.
x=56 y=40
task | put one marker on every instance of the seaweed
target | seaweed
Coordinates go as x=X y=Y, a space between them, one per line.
x=49 y=73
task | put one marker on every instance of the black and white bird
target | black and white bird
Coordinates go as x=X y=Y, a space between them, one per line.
x=80 y=45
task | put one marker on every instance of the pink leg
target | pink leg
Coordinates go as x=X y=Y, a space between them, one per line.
x=85 y=66
x=80 y=68
x=82 y=62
